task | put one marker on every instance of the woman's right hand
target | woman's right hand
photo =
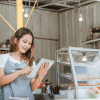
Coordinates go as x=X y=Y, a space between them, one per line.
x=43 y=70
x=26 y=70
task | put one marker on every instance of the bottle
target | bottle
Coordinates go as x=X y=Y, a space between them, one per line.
x=47 y=83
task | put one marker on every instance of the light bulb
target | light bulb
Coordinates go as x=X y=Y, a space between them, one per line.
x=84 y=58
x=25 y=15
x=80 y=17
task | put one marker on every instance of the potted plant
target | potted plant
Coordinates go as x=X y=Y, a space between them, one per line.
x=96 y=32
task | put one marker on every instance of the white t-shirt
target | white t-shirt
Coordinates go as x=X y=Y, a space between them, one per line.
x=4 y=58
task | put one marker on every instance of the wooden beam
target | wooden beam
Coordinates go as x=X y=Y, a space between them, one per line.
x=62 y=5
x=19 y=14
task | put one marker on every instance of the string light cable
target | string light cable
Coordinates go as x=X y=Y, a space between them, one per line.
x=7 y=23
x=80 y=14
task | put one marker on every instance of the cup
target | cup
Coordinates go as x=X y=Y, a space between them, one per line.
x=97 y=96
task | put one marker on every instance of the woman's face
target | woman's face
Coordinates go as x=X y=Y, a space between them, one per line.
x=25 y=43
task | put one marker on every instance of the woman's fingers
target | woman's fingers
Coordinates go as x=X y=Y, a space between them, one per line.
x=42 y=66
x=27 y=70
x=47 y=66
x=30 y=69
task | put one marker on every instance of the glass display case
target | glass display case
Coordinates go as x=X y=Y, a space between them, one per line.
x=84 y=69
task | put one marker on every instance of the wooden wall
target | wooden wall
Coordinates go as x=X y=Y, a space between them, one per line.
x=43 y=24
x=72 y=32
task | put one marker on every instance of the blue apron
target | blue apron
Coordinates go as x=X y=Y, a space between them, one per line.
x=20 y=87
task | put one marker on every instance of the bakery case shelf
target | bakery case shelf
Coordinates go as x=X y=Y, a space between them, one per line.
x=64 y=63
x=81 y=66
x=66 y=76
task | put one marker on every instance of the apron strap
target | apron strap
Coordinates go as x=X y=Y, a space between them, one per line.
x=2 y=95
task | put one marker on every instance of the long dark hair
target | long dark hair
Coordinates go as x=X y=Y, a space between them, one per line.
x=28 y=56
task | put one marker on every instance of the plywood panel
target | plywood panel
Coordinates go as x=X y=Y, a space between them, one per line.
x=60 y=21
x=70 y=28
x=53 y=48
x=76 y=29
x=87 y=23
x=73 y=33
x=7 y=18
x=46 y=54
x=3 y=14
x=66 y=25
x=45 y=23
x=12 y=20
x=38 y=53
x=53 y=25
x=2 y=31
x=97 y=14
x=57 y=24
x=63 y=30
x=36 y=23
x=1 y=21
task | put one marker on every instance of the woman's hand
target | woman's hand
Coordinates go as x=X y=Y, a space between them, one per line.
x=26 y=70
x=43 y=70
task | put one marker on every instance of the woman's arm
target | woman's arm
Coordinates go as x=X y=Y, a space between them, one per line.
x=8 y=78
x=11 y=77
x=42 y=72
x=35 y=83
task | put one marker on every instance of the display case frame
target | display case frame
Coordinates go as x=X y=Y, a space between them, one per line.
x=71 y=64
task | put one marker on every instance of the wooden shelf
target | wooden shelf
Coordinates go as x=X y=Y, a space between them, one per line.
x=4 y=48
x=94 y=40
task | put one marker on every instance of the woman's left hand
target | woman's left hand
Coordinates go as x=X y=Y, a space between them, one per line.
x=43 y=70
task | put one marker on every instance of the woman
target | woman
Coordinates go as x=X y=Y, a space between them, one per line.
x=16 y=65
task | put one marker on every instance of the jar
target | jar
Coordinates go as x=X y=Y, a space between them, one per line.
x=4 y=45
x=8 y=45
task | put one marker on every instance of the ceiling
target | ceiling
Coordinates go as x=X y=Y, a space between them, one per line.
x=52 y=5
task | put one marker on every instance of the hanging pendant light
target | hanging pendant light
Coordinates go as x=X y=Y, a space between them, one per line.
x=80 y=14
x=80 y=17
x=26 y=13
